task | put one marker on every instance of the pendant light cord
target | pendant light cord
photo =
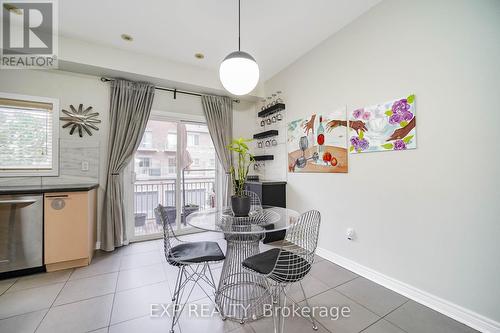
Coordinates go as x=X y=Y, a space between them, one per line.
x=239 y=25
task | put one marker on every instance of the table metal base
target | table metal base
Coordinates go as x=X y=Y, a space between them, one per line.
x=241 y=295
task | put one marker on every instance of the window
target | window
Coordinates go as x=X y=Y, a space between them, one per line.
x=171 y=141
x=29 y=137
x=155 y=172
x=147 y=140
x=193 y=139
x=171 y=165
x=144 y=162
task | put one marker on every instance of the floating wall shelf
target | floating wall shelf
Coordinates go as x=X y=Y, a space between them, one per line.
x=264 y=157
x=265 y=134
x=272 y=109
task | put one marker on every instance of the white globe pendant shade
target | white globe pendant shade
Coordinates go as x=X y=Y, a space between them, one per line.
x=239 y=73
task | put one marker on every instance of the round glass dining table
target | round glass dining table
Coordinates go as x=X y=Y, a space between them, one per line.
x=241 y=295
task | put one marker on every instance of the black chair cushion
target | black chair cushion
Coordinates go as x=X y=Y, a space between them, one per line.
x=291 y=268
x=195 y=252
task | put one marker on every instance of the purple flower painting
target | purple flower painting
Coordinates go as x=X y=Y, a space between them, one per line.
x=399 y=145
x=359 y=144
x=383 y=127
x=357 y=113
x=400 y=112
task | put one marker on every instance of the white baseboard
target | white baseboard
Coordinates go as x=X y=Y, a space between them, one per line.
x=463 y=315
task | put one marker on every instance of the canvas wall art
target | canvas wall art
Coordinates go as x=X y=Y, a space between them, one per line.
x=318 y=143
x=383 y=127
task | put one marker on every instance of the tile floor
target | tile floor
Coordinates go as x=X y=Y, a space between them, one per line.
x=114 y=294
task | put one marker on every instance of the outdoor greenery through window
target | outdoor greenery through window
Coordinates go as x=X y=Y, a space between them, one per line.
x=26 y=137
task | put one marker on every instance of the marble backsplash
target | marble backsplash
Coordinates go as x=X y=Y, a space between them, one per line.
x=72 y=154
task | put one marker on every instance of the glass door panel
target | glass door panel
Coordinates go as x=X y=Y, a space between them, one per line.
x=155 y=166
x=198 y=170
x=175 y=165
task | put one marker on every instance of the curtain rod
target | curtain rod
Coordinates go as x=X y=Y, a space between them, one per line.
x=174 y=90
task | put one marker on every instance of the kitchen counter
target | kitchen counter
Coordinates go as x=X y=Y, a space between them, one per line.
x=39 y=189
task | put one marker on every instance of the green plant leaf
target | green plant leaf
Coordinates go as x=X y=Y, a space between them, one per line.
x=361 y=134
x=410 y=99
x=351 y=148
x=408 y=138
x=388 y=146
x=403 y=123
x=388 y=113
x=243 y=161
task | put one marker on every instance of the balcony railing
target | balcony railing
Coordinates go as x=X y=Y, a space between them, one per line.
x=199 y=194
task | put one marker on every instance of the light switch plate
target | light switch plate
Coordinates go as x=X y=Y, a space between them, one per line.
x=85 y=165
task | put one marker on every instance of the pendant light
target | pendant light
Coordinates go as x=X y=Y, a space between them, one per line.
x=239 y=72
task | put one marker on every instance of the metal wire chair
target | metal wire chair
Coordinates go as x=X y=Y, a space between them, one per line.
x=289 y=263
x=193 y=260
x=255 y=204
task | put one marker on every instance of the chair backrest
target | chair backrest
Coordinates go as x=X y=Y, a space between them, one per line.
x=168 y=233
x=298 y=248
x=255 y=204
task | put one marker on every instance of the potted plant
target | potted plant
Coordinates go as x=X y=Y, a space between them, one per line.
x=240 y=203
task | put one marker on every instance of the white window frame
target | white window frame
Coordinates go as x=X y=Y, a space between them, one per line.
x=54 y=170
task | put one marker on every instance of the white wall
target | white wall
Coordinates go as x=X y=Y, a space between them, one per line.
x=429 y=217
x=71 y=88
x=74 y=56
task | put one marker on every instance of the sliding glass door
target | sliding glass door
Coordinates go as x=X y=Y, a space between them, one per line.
x=175 y=165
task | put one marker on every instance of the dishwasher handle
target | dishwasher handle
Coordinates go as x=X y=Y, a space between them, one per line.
x=15 y=202
x=57 y=196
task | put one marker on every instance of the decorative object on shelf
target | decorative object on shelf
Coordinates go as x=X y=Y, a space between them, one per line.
x=383 y=127
x=279 y=99
x=266 y=143
x=239 y=72
x=318 y=143
x=240 y=203
x=258 y=165
x=253 y=178
x=80 y=119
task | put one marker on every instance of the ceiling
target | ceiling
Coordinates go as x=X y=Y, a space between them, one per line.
x=275 y=32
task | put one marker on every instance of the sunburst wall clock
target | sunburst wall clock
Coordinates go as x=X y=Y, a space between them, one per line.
x=81 y=120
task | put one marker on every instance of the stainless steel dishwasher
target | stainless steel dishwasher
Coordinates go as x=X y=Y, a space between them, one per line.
x=21 y=232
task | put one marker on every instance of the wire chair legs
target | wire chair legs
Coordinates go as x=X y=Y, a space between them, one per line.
x=280 y=296
x=311 y=317
x=190 y=274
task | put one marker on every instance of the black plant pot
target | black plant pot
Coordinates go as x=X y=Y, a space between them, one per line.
x=240 y=205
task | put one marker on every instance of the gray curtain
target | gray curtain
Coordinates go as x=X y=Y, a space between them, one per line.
x=130 y=107
x=218 y=112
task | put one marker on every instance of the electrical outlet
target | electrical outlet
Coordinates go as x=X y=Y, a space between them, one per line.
x=351 y=234
x=85 y=165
